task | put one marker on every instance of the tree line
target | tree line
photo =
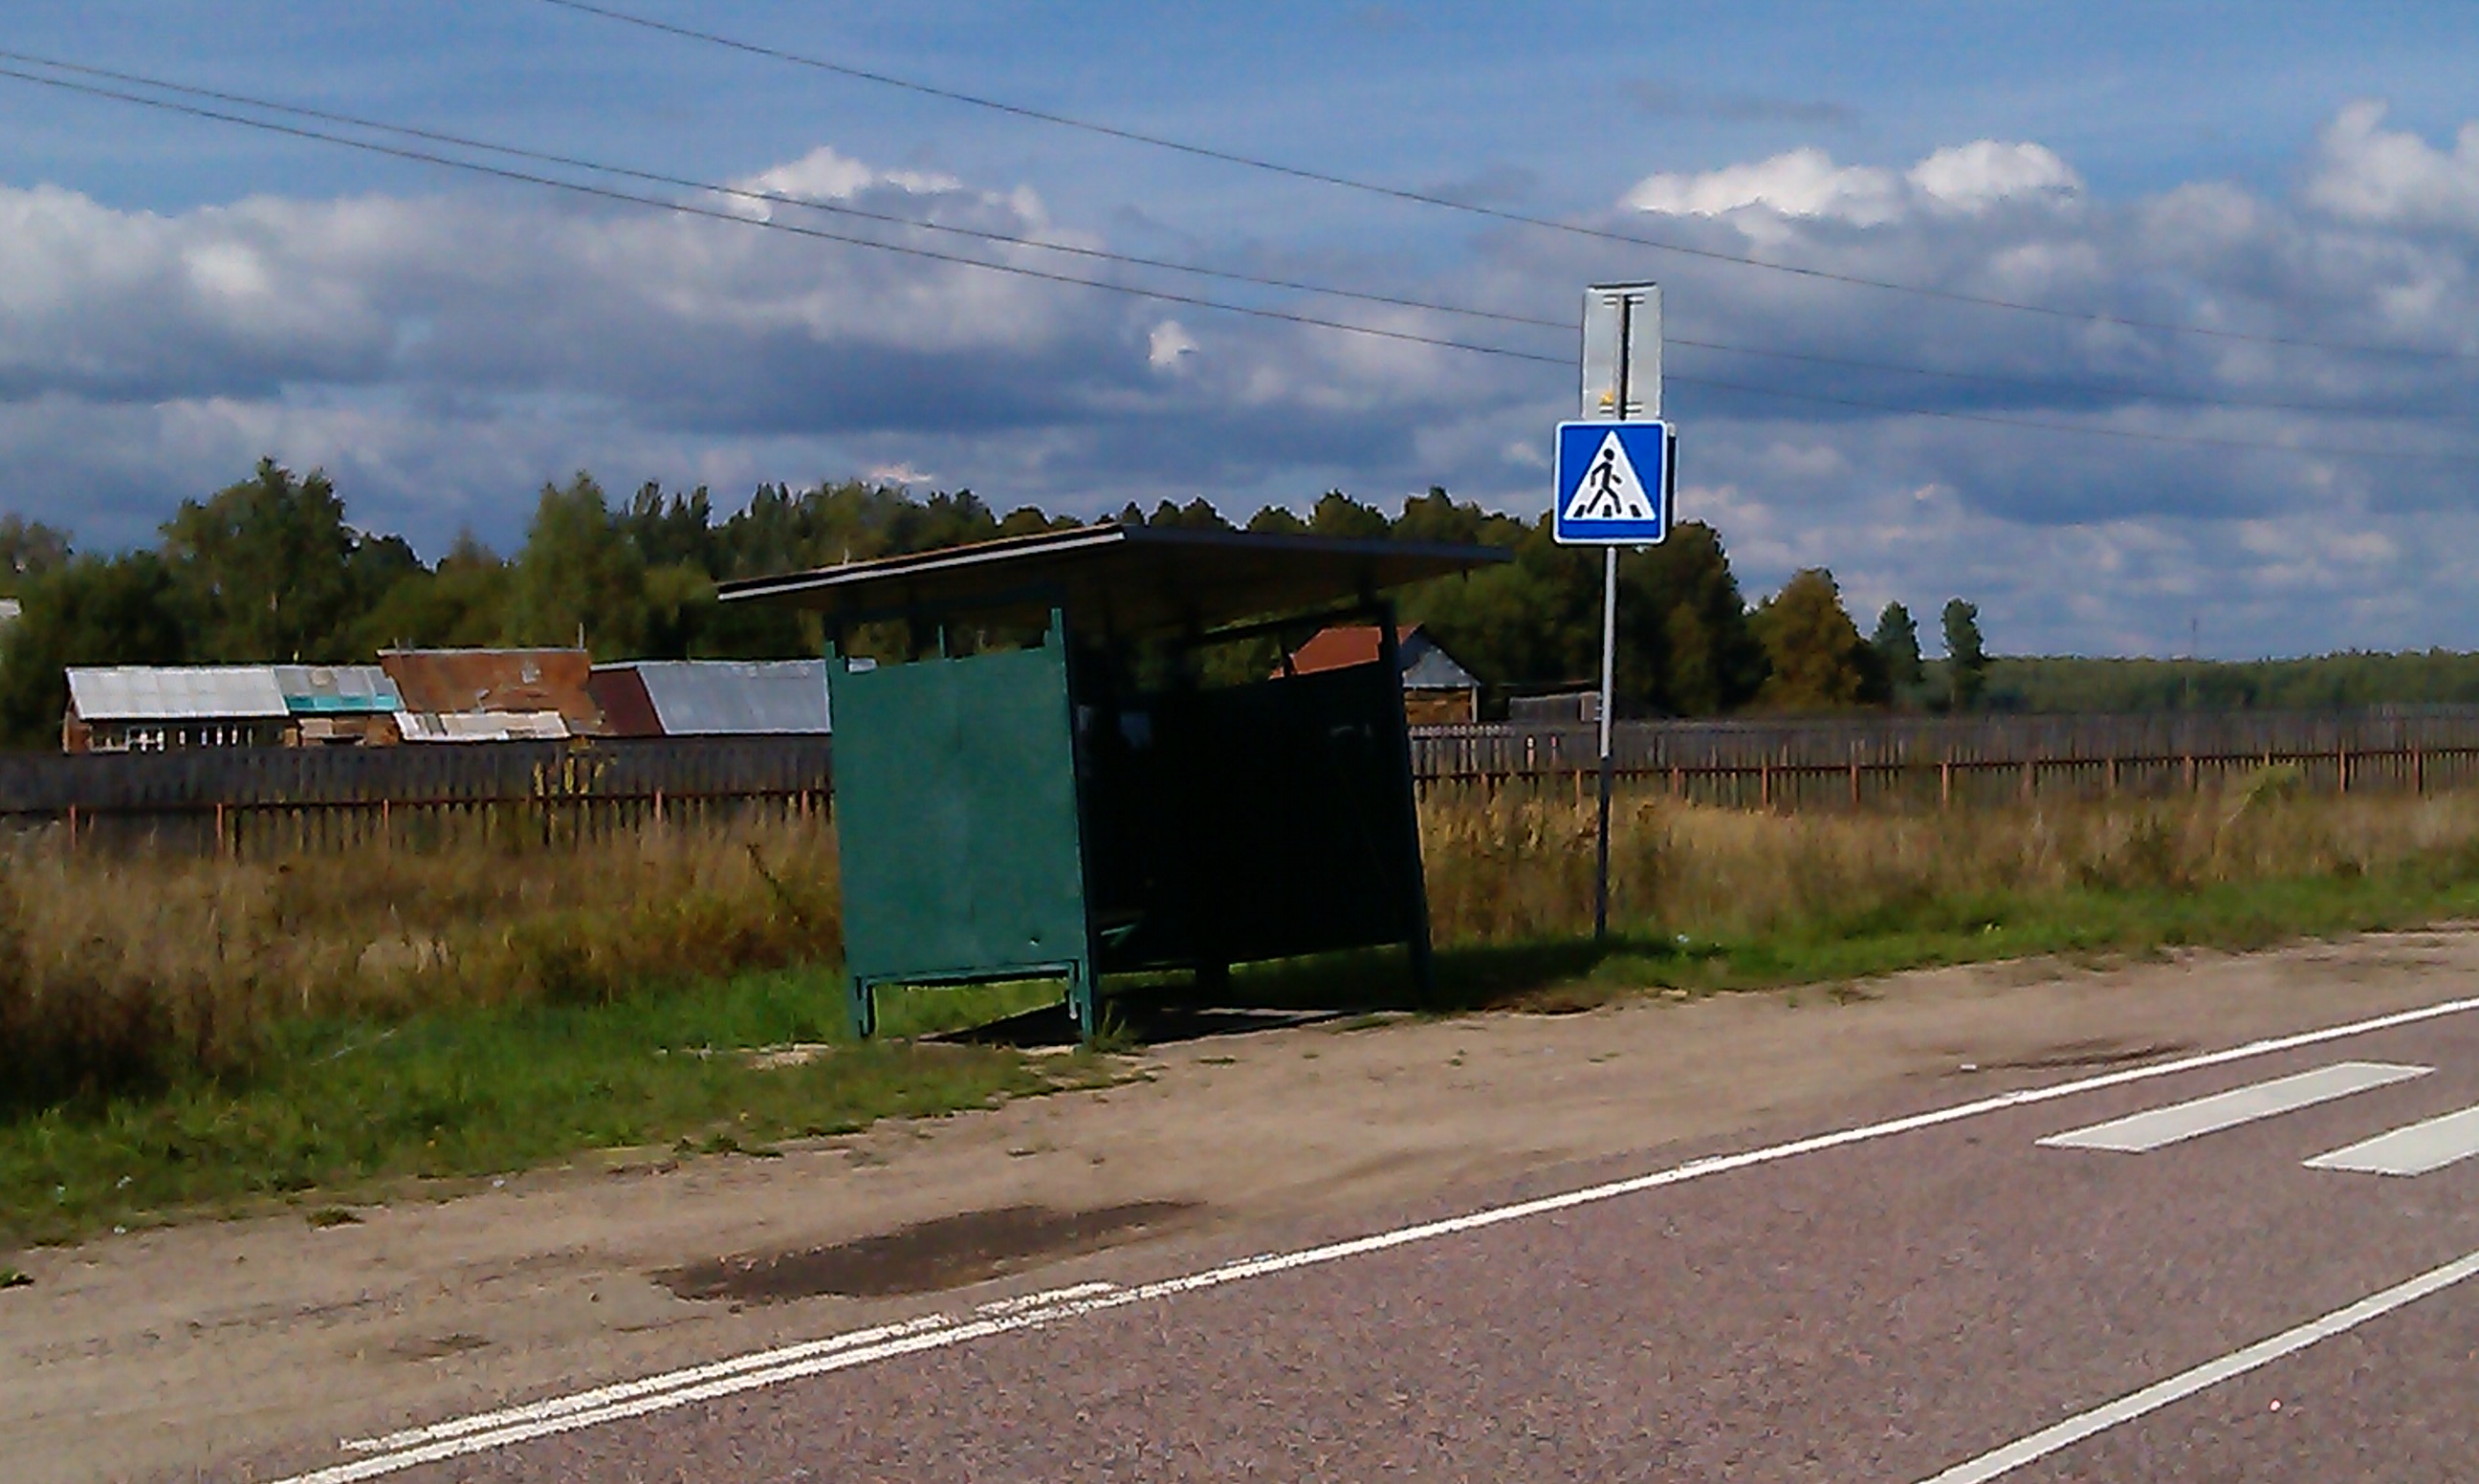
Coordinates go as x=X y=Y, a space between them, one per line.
x=271 y=570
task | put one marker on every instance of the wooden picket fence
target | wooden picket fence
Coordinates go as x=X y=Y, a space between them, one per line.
x=260 y=799
x=1929 y=762
x=254 y=800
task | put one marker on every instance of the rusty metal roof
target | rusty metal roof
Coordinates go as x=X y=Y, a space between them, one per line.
x=1123 y=579
x=448 y=681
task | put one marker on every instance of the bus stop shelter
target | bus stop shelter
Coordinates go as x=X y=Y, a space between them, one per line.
x=1063 y=758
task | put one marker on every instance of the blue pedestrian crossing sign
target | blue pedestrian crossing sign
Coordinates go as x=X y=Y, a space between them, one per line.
x=1614 y=483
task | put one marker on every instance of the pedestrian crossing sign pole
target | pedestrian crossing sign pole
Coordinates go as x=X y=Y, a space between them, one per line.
x=1616 y=469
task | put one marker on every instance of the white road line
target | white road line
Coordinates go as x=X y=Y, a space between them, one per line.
x=511 y=1425
x=2186 y=1383
x=2147 y=1130
x=2410 y=1151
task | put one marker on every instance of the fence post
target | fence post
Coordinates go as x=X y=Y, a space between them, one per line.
x=2028 y=785
x=1765 y=786
x=2341 y=765
x=1945 y=784
x=1854 y=781
x=2418 y=771
x=73 y=827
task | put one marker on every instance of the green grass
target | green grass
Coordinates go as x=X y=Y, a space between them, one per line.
x=354 y=1108
x=332 y=1112
x=1567 y=974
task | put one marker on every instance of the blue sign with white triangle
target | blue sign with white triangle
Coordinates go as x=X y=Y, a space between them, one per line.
x=1614 y=483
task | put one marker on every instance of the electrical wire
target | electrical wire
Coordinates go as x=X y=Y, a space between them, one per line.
x=1475 y=209
x=2121 y=390
x=683 y=208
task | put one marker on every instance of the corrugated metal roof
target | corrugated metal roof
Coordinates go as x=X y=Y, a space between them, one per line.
x=481 y=726
x=163 y=693
x=337 y=690
x=731 y=697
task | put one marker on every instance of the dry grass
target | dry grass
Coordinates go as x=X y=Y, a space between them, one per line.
x=120 y=973
x=1518 y=867
x=115 y=972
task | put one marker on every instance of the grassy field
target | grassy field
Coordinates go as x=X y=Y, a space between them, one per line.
x=216 y=1035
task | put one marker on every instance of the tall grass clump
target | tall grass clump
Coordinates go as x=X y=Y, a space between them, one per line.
x=122 y=971
x=1517 y=865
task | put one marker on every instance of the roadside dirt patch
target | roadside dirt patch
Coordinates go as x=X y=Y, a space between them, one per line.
x=925 y=1257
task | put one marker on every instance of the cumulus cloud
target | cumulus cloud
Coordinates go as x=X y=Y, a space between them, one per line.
x=1968 y=178
x=2368 y=174
x=442 y=354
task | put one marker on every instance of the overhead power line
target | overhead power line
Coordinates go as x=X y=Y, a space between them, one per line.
x=2105 y=390
x=1475 y=208
x=688 y=209
x=776 y=198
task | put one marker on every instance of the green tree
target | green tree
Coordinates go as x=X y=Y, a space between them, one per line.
x=265 y=570
x=461 y=604
x=1819 y=662
x=1966 y=664
x=1897 y=643
x=579 y=574
x=120 y=611
x=28 y=549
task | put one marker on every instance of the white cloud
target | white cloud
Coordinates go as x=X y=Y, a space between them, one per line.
x=2367 y=173
x=1971 y=178
x=1167 y=342
x=1800 y=183
x=443 y=355
x=1968 y=178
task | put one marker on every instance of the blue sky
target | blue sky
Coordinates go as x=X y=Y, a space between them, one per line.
x=178 y=297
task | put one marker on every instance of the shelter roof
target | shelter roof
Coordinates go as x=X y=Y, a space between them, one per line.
x=162 y=693
x=1124 y=580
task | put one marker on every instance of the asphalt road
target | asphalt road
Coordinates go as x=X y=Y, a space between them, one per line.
x=1917 y=1288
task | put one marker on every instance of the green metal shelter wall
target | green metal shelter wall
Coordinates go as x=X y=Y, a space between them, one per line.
x=956 y=818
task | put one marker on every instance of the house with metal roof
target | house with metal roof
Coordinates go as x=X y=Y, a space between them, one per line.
x=712 y=697
x=155 y=708
x=1437 y=689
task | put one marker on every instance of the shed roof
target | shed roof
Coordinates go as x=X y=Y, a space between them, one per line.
x=337 y=690
x=723 y=696
x=163 y=693
x=1425 y=663
x=438 y=682
x=1124 y=578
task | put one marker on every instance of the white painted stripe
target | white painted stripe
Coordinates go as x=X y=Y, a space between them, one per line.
x=773 y=1368
x=2186 y=1383
x=2145 y=1131
x=2410 y=1151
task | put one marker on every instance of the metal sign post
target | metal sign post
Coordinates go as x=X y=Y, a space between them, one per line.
x=1615 y=478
